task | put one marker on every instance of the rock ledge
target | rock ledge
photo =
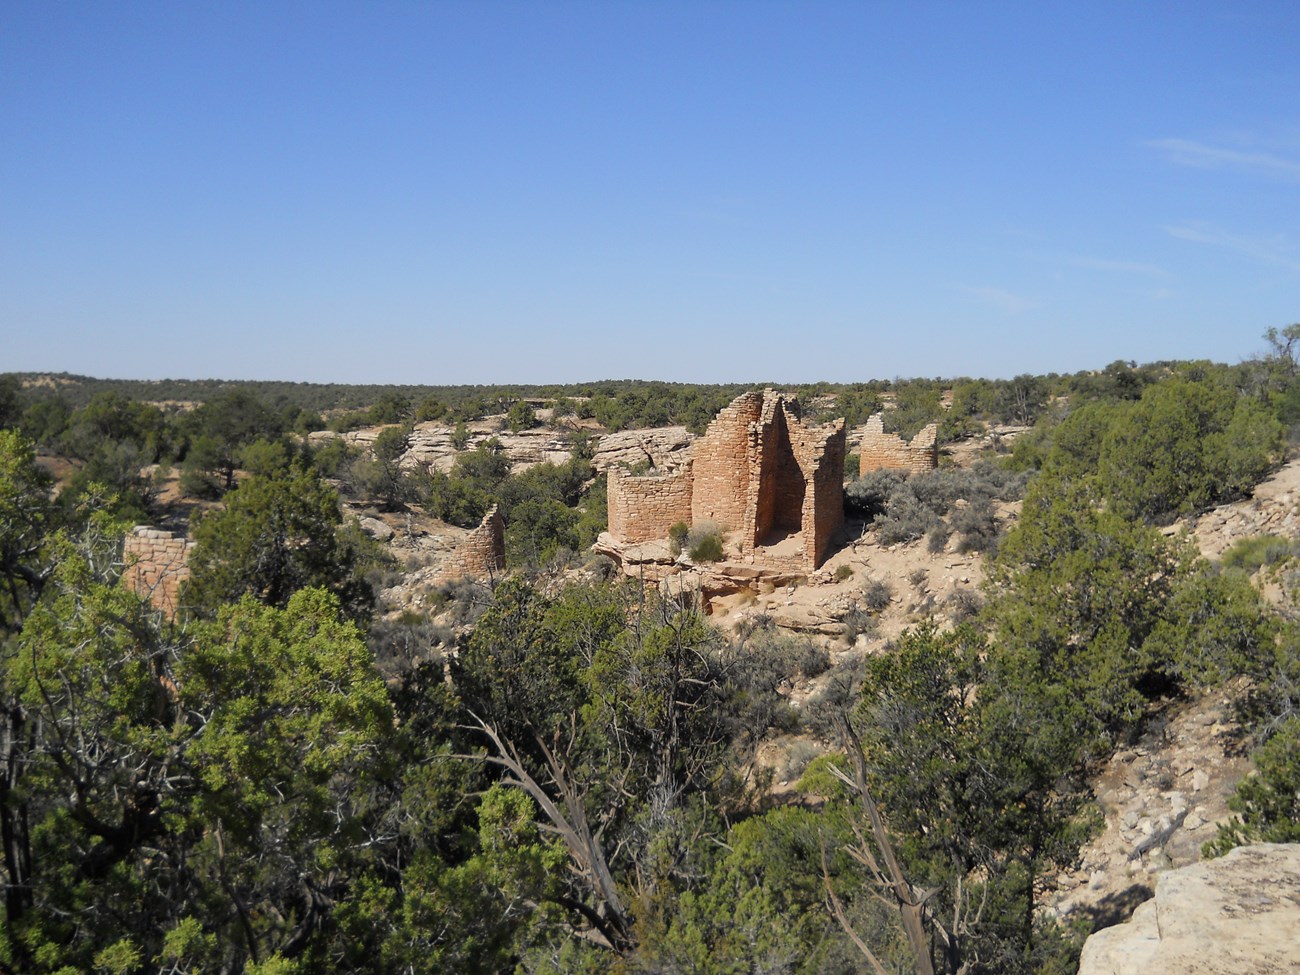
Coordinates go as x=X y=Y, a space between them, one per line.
x=1239 y=915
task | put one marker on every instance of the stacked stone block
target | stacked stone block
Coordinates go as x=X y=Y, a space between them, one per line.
x=721 y=464
x=796 y=474
x=643 y=508
x=888 y=451
x=482 y=553
x=156 y=563
x=823 y=451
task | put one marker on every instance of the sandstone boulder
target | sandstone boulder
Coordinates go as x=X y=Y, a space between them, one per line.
x=1232 y=916
x=663 y=447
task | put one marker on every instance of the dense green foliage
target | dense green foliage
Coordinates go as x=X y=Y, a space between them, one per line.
x=276 y=534
x=1184 y=446
x=187 y=796
x=574 y=789
x=26 y=519
x=938 y=504
x=1268 y=804
x=984 y=790
x=1188 y=442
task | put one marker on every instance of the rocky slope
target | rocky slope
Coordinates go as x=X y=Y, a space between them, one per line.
x=1271 y=510
x=1161 y=799
x=432 y=443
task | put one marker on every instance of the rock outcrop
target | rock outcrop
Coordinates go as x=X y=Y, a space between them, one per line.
x=431 y=445
x=1162 y=798
x=1270 y=510
x=663 y=448
x=1239 y=915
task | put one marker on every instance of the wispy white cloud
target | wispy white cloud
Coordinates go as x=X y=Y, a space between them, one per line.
x=1277 y=250
x=1001 y=299
x=1121 y=267
x=1185 y=152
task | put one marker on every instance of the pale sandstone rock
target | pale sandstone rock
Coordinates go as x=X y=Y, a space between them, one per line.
x=375 y=528
x=1238 y=915
x=666 y=448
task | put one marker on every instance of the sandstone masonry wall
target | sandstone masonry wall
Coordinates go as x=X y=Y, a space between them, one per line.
x=759 y=472
x=796 y=482
x=721 y=464
x=880 y=450
x=482 y=553
x=642 y=508
x=157 y=562
x=822 y=452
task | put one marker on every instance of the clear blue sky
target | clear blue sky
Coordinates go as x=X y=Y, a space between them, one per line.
x=702 y=191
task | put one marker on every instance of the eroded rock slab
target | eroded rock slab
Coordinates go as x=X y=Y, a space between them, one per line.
x=660 y=447
x=1238 y=915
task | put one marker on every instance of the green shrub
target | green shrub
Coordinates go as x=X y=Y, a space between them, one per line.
x=1214 y=625
x=812 y=660
x=539 y=529
x=195 y=483
x=906 y=519
x=677 y=535
x=798 y=756
x=1184 y=446
x=1267 y=804
x=937 y=540
x=406 y=641
x=843 y=572
x=521 y=417
x=1258 y=551
x=869 y=494
x=333 y=457
x=707 y=548
x=876 y=594
x=858 y=622
x=460 y=436
x=703 y=542
x=963 y=604
x=908 y=508
x=430 y=408
x=978 y=526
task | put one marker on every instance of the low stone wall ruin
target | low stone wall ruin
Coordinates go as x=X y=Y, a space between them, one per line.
x=482 y=553
x=888 y=451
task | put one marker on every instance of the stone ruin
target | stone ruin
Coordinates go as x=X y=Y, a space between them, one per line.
x=888 y=451
x=481 y=554
x=156 y=563
x=760 y=473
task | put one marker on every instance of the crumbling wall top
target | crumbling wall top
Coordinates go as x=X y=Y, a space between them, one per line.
x=888 y=451
x=481 y=554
